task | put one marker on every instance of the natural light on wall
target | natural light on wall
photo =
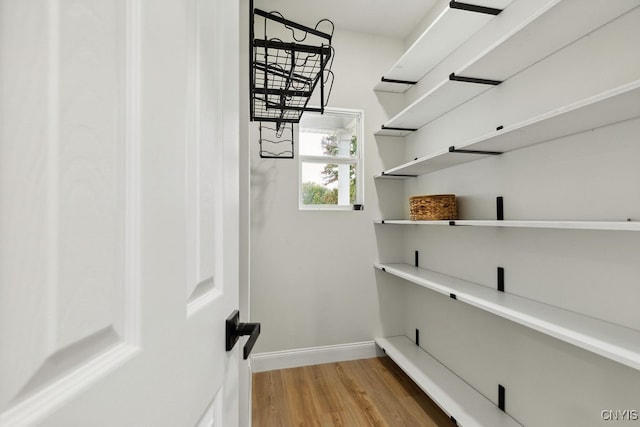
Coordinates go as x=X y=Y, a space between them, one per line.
x=330 y=147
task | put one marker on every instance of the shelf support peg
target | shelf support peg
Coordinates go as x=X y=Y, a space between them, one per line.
x=474 y=8
x=453 y=149
x=476 y=80
x=501 y=397
x=500 y=279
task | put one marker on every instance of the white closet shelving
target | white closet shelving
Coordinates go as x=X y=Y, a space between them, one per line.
x=541 y=35
x=613 y=106
x=452 y=27
x=452 y=394
x=609 y=340
x=545 y=32
x=567 y=225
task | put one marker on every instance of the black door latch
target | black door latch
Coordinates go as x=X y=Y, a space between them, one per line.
x=235 y=330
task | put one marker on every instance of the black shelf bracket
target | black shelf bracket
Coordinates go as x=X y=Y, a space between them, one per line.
x=500 y=279
x=455 y=78
x=500 y=208
x=402 y=82
x=453 y=296
x=415 y=259
x=452 y=223
x=474 y=8
x=417 y=337
x=383 y=127
x=453 y=149
x=500 y=127
x=397 y=174
x=501 y=397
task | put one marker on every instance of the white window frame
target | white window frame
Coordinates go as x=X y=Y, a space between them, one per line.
x=357 y=160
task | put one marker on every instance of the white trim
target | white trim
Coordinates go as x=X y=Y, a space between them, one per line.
x=313 y=356
x=330 y=159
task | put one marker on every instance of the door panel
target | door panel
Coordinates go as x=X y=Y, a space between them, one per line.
x=118 y=196
x=202 y=169
x=66 y=212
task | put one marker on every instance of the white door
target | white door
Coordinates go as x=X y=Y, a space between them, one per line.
x=118 y=212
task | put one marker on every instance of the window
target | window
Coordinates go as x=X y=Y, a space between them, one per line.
x=330 y=147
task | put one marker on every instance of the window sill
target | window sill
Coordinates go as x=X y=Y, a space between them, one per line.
x=330 y=208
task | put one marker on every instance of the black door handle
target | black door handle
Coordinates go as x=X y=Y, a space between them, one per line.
x=235 y=330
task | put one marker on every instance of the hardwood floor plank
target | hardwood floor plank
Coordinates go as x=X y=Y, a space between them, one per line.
x=396 y=411
x=270 y=387
x=414 y=400
x=367 y=392
x=300 y=392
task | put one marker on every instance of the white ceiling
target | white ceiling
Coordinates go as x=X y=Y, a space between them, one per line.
x=395 y=18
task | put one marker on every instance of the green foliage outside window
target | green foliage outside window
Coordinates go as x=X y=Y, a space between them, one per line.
x=316 y=194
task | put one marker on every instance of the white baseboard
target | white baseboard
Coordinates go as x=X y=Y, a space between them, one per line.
x=314 y=356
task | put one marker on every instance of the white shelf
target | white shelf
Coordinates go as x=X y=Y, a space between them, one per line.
x=566 y=225
x=384 y=175
x=448 y=31
x=441 y=99
x=543 y=34
x=609 y=340
x=394 y=131
x=452 y=394
x=613 y=106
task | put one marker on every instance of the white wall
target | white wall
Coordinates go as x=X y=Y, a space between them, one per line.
x=312 y=276
x=590 y=176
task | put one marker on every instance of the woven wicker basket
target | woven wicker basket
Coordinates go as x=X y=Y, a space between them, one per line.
x=434 y=207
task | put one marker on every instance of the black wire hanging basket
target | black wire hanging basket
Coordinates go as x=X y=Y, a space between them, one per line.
x=288 y=62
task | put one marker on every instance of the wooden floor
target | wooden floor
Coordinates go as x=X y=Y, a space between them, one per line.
x=367 y=392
